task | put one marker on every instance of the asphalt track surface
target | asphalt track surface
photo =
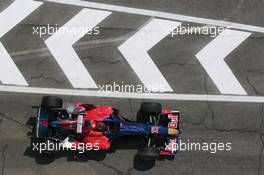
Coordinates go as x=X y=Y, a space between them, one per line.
x=242 y=124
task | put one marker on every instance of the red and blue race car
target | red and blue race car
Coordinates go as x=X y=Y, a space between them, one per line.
x=72 y=125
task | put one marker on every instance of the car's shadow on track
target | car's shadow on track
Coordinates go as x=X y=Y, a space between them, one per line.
x=120 y=144
x=131 y=143
x=124 y=143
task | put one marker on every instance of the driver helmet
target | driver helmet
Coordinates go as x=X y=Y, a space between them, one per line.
x=100 y=126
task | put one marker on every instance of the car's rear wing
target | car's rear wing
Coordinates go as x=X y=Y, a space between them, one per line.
x=171 y=144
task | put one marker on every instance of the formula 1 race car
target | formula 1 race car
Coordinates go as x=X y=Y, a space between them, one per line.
x=72 y=125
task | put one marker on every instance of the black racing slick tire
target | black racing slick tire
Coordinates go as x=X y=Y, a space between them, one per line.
x=151 y=108
x=149 y=153
x=51 y=102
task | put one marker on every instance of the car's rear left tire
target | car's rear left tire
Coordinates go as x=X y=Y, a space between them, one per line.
x=51 y=102
x=149 y=153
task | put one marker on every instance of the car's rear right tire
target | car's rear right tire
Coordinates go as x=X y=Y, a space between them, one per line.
x=151 y=108
x=148 y=109
x=51 y=102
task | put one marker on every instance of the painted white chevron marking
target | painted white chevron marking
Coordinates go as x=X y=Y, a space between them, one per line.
x=9 y=73
x=159 y=14
x=60 y=45
x=135 y=50
x=15 y=13
x=9 y=18
x=212 y=59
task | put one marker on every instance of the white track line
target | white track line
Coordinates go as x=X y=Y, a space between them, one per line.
x=212 y=58
x=160 y=14
x=9 y=18
x=60 y=45
x=135 y=51
x=150 y=96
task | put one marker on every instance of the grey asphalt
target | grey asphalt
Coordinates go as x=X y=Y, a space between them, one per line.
x=242 y=124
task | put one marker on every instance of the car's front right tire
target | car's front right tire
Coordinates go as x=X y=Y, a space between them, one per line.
x=51 y=102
